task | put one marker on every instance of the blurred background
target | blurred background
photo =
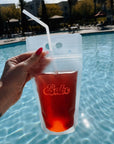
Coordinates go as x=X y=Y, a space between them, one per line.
x=60 y=16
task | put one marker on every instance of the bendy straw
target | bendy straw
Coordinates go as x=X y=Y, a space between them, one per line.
x=42 y=24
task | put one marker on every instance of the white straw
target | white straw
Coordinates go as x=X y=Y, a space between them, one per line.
x=41 y=23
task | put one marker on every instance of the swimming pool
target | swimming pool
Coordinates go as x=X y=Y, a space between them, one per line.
x=21 y=124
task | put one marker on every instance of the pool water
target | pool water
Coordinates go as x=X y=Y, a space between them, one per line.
x=21 y=123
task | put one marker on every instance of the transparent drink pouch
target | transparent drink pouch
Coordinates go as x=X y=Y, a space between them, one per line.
x=57 y=88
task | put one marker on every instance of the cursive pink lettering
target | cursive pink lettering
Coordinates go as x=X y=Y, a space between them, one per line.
x=51 y=90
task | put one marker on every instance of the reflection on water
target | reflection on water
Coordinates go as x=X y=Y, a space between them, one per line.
x=21 y=124
x=85 y=121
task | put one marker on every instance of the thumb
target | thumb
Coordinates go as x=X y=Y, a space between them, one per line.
x=34 y=59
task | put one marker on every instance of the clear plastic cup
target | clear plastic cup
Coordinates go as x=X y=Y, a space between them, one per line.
x=58 y=86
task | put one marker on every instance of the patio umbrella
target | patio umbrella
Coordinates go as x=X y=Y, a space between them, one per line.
x=13 y=20
x=100 y=13
x=32 y=19
x=56 y=17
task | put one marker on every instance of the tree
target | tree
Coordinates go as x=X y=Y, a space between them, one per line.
x=83 y=9
x=109 y=5
x=70 y=2
x=7 y=13
x=94 y=6
x=52 y=9
x=102 y=4
x=44 y=12
x=10 y=12
x=22 y=4
x=1 y=24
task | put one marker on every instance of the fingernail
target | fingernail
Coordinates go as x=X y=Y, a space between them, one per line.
x=38 y=52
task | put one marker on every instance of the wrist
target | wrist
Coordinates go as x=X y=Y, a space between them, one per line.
x=4 y=101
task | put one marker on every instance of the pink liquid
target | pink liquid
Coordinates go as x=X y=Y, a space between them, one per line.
x=57 y=94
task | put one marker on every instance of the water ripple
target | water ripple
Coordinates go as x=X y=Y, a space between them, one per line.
x=21 y=124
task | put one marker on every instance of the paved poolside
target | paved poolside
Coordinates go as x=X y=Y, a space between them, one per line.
x=83 y=30
x=94 y=29
x=11 y=40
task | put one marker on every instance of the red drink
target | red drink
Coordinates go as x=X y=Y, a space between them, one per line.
x=57 y=94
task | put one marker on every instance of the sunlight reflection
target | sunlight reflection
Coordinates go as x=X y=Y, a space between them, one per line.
x=86 y=122
x=82 y=114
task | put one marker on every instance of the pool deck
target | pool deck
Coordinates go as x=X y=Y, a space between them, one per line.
x=83 y=30
x=12 y=40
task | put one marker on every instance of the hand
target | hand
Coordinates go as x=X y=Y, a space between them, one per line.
x=18 y=70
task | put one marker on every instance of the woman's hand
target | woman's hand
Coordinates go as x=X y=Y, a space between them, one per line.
x=18 y=70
